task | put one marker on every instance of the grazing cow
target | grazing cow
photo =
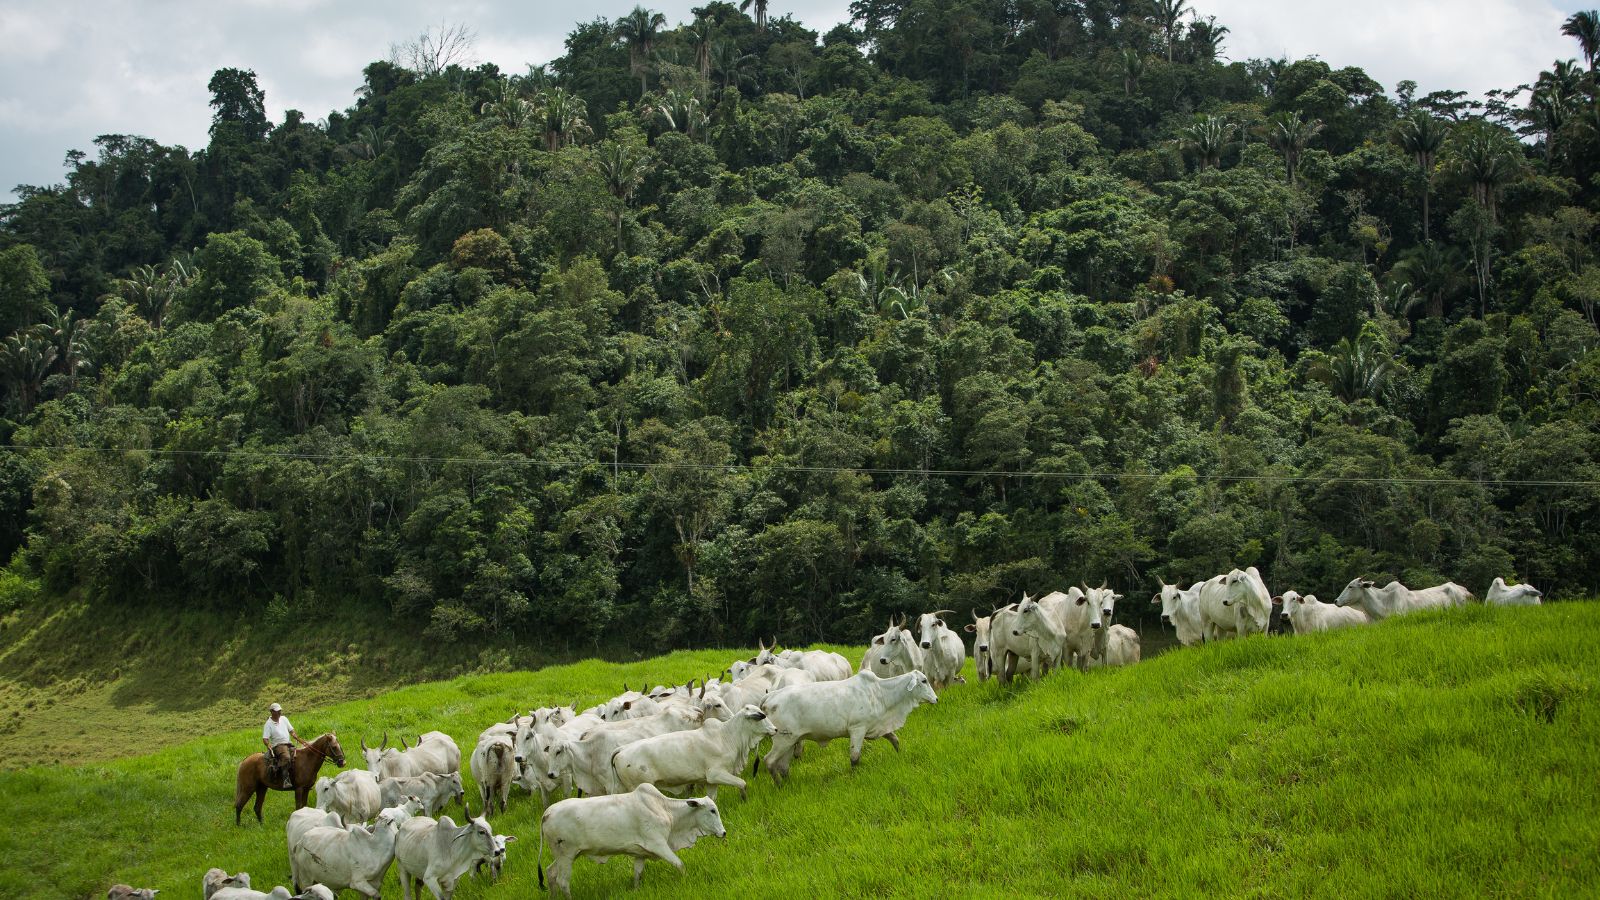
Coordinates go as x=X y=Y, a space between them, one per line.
x=712 y=755
x=1307 y=614
x=1502 y=594
x=1121 y=648
x=587 y=761
x=895 y=652
x=355 y=857
x=861 y=707
x=435 y=791
x=1060 y=624
x=128 y=892
x=434 y=752
x=645 y=824
x=943 y=653
x=437 y=852
x=494 y=768
x=353 y=794
x=1181 y=609
x=1395 y=599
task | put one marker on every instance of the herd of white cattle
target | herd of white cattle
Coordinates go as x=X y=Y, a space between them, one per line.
x=615 y=758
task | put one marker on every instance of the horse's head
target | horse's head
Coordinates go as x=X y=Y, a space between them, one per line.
x=332 y=748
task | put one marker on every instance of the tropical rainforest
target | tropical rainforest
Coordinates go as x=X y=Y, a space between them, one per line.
x=725 y=328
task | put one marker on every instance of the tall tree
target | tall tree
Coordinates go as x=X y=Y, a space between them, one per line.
x=1169 y=18
x=1288 y=132
x=1208 y=138
x=761 y=12
x=639 y=30
x=1436 y=274
x=1421 y=135
x=1585 y=26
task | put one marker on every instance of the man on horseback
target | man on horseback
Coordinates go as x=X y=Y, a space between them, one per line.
x=276 y=734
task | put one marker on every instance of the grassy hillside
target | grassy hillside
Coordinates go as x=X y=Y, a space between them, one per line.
x=1440 y=755
x=81 y=684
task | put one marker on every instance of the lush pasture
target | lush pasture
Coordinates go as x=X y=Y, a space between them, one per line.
x=1439 y=755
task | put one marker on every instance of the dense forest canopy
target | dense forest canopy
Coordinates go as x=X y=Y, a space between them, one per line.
x=723 y=328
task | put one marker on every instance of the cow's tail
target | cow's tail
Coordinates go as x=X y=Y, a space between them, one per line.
x=755 y=769
x=539 y=860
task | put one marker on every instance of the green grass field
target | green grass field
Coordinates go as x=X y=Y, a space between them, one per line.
x=1440 y=755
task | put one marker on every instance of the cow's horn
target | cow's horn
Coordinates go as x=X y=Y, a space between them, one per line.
x=702 y=688
x=363 y=743
x=941 y=613
x=385 y=744
x=403 y=742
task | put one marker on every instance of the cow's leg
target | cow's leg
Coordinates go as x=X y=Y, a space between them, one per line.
x=638 y=870
x=858 y=736
x=716 y=777
x=561 y=875
x=893 y=740
x=441 y=891
x=660 y=850
x=406 y=878
x=777 y=759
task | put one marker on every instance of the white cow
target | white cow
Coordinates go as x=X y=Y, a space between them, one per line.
x=306 y=818
x=1502 y=594
x=1395 y=599
x=861 y=707
x=355 y=857
x=1121 y=648
x=1235 y=604
x=645 y=824
x=353 y=794
x=437 y=852
x=1106 y=599
x=825 y=665
x=1181 y=609
x=1307 y=614
x=895 y=652
x=129 y=892
x=494 y=768
x=1061 y=625
x=713 y=755
x=943 y=653
x=435 y=752
x=434 y=790
x=628 y=705
x=219 y=885
x=587 y=761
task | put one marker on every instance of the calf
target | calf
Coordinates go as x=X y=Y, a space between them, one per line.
x=1308 y=614
x=713 y=755
x=435 y=791
x=645 y=824
x=128 y=892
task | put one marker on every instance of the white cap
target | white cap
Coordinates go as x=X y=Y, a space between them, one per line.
x=274 y=708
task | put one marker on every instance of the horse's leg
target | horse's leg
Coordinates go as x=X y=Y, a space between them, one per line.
x=261 y=797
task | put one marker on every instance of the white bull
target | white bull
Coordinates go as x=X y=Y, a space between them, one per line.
x=894 y=652
x=437 y=852
x=1308 y=614
x=435 y=791
x=494 y=768
x=943 y=653
x=1395 y=599
x=435 y=752
x=713 y=755
x=355 y=857
x=1502 y=594
x=353 y=794
x=645 y=824
x=861 y=707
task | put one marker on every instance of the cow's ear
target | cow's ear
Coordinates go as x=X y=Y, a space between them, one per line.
x=695 y=804
x=971 y=629
x=511 y=839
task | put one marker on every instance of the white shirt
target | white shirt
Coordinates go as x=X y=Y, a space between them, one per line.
x=276 y=733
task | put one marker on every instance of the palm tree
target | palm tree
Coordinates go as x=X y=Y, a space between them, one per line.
x=1208 y=138
x=25 y=359
x=1421 y=135
x=682 y=111
x=369 y=142
x=510 y=108
x=1488 y=157
x=1435 y=274
x=1360 y=368
x=562 y=116
x=1168 y=14
x=1132 y=71
x=1288 y=133
x=1207 y=36
x=1585 y=26
x=761 y=12
x=67 y=334
x=622 y=167
x=151 y=291
x=703 y=31
x=639 y=30
x=736 y=68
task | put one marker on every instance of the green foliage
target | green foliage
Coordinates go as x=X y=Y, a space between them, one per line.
x=710 y=330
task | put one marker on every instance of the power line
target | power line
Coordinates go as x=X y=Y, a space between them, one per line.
x=861 y=470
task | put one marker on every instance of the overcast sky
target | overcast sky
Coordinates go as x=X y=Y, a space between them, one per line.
x=74 y=69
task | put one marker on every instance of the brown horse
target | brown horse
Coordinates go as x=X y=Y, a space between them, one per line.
x=307 y=763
